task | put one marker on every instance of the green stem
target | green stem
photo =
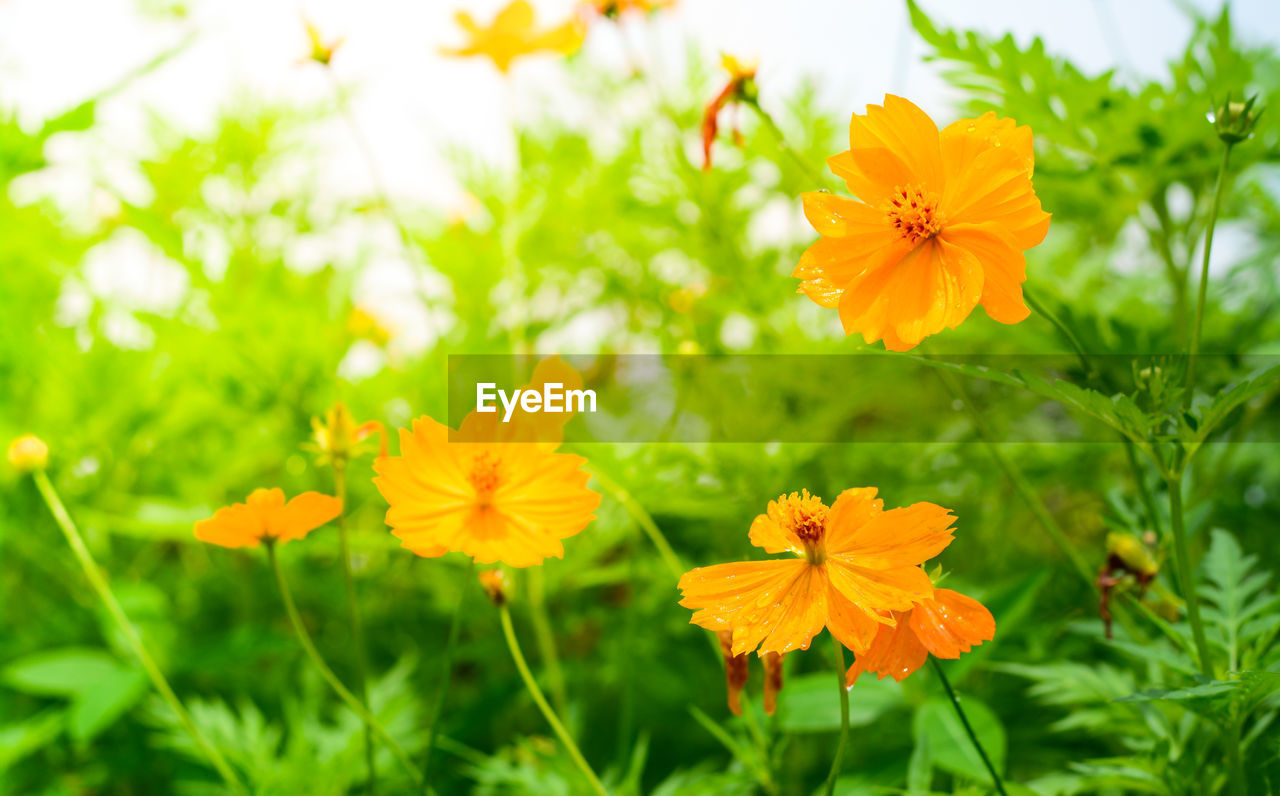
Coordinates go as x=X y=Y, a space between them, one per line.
x=304 y=638
x=1062 y=328
x=973 y=736
x=838 y=655
x=1182 y=560
x=353 y=615
x=541 y=701
x=546 y=639
x=1148 y=500
x=446 y=671
x=1042 y=515
x=130 y=633
x=1204 y=277
x=1238 y=780
x=815 y=176
x=646 y=523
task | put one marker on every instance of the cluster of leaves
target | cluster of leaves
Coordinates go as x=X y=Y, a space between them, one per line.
x=621 y=246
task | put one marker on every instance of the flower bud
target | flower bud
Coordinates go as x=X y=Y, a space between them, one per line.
x=28 y=452
x=494 y=582
x=1234 y=121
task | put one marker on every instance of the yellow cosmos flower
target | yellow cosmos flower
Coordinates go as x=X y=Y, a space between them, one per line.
x=513 y=34
x=496 y=491
x=853 y=564
x=265 y=516
x=938 y=226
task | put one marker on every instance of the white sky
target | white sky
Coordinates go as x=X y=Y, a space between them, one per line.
x=413 y=104
x=411 y=101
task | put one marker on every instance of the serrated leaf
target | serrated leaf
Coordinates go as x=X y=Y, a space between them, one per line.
x=1209 y=690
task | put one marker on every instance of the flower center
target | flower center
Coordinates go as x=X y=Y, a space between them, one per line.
x=484 y=476
x=805 y=516
x=914 y=213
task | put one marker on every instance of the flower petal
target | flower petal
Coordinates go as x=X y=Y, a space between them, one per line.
x=901 y=537
x=303 y=514
x=233 y=526
x=907 y=133
x=759 y=601
x=989 y=163
x=878 y=590
x=895 y=652
x=853 y=509
x=920 y=294
x=952 y=623
x=1003 y=266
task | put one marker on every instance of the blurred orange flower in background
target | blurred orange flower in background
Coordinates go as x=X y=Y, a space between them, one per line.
x=854 y=564
x=513 y=34
x=740 y=88
x=938 y=226
x=494 y=501
x=944 y=625
x=495 y=491
x=265 y=516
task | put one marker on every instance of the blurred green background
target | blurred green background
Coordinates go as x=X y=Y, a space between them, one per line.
x=157 y=417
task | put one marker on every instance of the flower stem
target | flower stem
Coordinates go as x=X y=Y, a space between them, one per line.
x=1204 y=277
x=815 y=176
x=130 y=633
x=541 y=701
x=304 y=638
x=838 y=655
x=973 y=736
x=353 y=615
x=1182 y=561
x=646 y=523
x=446 y=673
x=545 y=638
x=1062 y=328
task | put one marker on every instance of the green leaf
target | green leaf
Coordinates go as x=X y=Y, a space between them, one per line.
x=1209 y=690
x=98 y=686
x=920 y=766
x=938 y=725
x=61 y=672
x=98 y=707
x=1234 y=593
x=808 y=703
x=21 y=738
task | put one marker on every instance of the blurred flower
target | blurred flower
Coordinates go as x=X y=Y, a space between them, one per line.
x=265 y=516
x=1234 y=121
x=28 y=452
x=1126 y=555
x=938 y=226
x=338 y=438
x=740 y=88
x=494 y=501
x=944 y=625
x=854 y=562
x=735 y=671
x=364 y=325
x=512 y=34
x=612 y=9
x=321 y=50
x=496 y=491
x=494 y=583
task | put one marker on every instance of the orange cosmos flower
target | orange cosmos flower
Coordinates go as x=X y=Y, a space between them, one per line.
x=740 y=88
x=495 y=501
x=512 y=34
x=265 y=516
x=944 y=625
x=938 y=226
x=854 y=562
